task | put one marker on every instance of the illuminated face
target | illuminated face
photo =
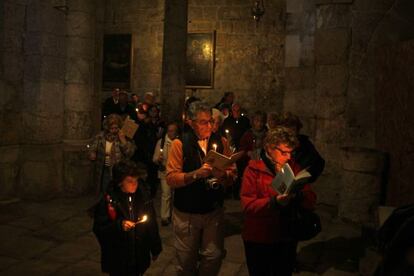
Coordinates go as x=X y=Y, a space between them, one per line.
x=236 y=110
x=114 y=129
x=202 y=125
x=129 y=184
x=172 y=131
x=115 y=93
x=257 y=123
x=280 y=154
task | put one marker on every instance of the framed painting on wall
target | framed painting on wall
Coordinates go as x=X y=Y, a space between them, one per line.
x=200 y=60
x=117 y=61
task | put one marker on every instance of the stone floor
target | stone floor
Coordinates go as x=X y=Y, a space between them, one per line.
x=54 y=238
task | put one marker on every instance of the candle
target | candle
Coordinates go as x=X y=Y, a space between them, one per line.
x=227 y=131
x=161 y=150
x=215 y=147
x=136 y=109
x=88 y=146
x=242 y=114
x=142 y=220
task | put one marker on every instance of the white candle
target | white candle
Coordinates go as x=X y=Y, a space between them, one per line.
x=215 y=147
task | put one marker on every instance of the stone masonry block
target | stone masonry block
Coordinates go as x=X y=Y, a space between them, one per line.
x=8 y=179
x=79 y=97
x=45 y=44
x=13 y=67
x=332 y=46
x=44 y=97
x=41 y=128
x=41 y=179
x=44 y=68
x=78 y=125
x=80 y=24
x=294 y=6
x=79 y=70
x=292 y=51
x=79 y=47
x=333 y=16
x=14 y=16
x=331 y=131
x=299 y=78
x=331 y=80
x=210 y=13
x=11 y=122
x=300 y=102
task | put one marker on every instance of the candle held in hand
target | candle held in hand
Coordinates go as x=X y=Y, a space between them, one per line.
x=215 y=147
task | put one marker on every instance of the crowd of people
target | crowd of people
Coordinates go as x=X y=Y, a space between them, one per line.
x=171 y=155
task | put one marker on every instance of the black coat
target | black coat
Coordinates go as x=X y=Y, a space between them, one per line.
x=308 y=157
x=125 y=252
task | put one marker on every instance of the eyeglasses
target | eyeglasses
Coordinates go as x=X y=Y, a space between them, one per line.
x=284 y=153
x=205 y=122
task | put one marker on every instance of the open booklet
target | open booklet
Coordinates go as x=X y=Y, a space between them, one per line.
x=285 y=181
x=129 y=127
x=220 y=161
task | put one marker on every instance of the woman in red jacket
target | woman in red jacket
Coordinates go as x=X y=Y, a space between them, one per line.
x=269 y=248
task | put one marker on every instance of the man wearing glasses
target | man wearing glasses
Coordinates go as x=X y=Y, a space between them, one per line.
x=198 y=195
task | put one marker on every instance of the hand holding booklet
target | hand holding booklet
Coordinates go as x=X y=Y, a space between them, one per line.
x=286 y=182
x=220 y=161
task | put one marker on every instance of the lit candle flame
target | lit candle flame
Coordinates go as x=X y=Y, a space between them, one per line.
x=161 y=150
x=88 y=146
x=136 y=109
x=215 y=147
x=142 y=220
x=227 y=131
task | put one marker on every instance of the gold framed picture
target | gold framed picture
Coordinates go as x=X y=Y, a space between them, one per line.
x=200 y=60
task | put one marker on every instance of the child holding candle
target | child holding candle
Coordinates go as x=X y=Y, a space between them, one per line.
x=125 y=225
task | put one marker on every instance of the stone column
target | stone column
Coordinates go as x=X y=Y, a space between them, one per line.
x=79 y=94
x=42 y=100
x=12 y=28
x=174 y=56
x=332 y=41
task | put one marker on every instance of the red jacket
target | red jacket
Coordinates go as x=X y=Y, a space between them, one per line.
x=263 y=223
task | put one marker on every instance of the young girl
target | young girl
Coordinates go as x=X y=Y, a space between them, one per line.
x=125 y=225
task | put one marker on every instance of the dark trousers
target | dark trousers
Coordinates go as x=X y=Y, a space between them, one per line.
x=275 y=259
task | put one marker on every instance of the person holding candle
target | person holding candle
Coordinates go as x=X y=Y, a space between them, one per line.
x=160 y=158
x=198 y=207
x=125 y=225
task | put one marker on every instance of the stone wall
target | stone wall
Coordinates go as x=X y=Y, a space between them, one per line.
x=144 y=20
x=47 y=79
x=249 y=58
